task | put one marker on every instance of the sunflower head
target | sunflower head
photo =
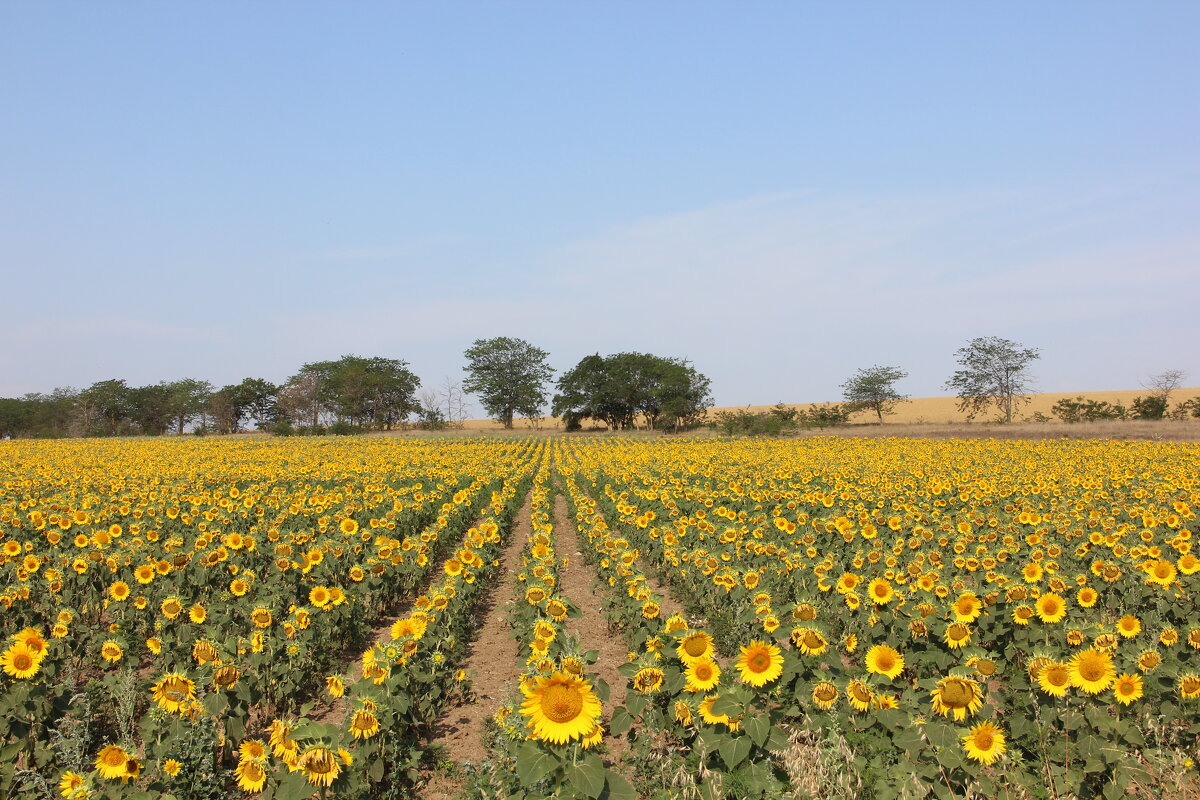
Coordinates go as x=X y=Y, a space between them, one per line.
x=760 y=663
x=561 y=708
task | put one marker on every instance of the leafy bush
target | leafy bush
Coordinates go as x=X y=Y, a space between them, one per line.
x=1080 y=410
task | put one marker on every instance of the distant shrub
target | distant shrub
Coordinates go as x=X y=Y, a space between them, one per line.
x=342 y=428
x=283 y=428
x=1149 y=407
x=1079 y=410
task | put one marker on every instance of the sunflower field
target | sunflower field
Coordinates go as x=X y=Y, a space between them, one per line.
x=850 y=617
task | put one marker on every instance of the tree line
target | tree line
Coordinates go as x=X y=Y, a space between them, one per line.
x=354 y=393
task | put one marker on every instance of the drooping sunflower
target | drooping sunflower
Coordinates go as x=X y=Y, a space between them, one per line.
x=173 y=691
x=884 y=660
x=1051 y=608
x=859 y=695
x=111 y=651
x=648 y=679
x=197 y=614
x=1092 y=671
x=556 y=609
x=250 y=774
x=694 y=647
x=957 y=697
x=703 y=675
x=1189 y=687
x=760 y=663
x=825 y=695
x=20 y=661
x=252 y=748
x=810 y=642
x=560 y=708
x=683 y=713
x=320 y=766
x=985 y=742
x=364 y=724
x=958 y=634
x=171 y=607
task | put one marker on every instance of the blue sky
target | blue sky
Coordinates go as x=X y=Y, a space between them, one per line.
x=781 y=192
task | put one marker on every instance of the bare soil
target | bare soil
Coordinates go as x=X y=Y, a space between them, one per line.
x=591 y=628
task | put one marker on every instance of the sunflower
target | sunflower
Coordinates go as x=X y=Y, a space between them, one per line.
x=708 y=715
x=880 y=592
x=1054 y=679
x=319 y=596
x=1022 y=614
x=695 y=647
x=1129 y=626
x=1160 y=573
x=281 y=741
x=250 y=774
x=561 y=708
x=703 y=675
x=1051 y=608
x=825 y=695
x=111 y=762
x=171 y=767
x=348 y=527
x=1149 y=660
x=197 y=614
x=683 y=713
x=363 y=724
x=70 y=783
x=20 y=661
x=1127 y=688
x=650 y=609
x=173 y=691
x=958 y=634
x=967 y=607
x=119 y=591
x=648 y=679
x=985 y=742
x=320 y=766
x=885 y=660
x=226 y=677
x=957 y=697
x=252 y=749
x=1087 y=597
x=810 y=642
x=556 y=609
x=859 y=694
x=111 y=651
x=171 y=607
x=1092 y=671
x=261 y=617
x=1189 y=687
x=760 y=663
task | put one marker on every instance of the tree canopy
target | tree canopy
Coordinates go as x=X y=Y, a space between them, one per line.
x=509 y=376
x=873 y=388
x=619 y=388
x=995 y=371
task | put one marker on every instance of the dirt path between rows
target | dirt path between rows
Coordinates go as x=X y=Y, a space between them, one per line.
x=576 y=583
x=492 y=666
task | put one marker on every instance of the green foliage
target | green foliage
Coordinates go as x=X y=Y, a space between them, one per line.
x=1149 y=408
x=1079 y=410
x=995 y=371
x=777 y=421
x=620 y=388
x=509 y=376
x=873 y=389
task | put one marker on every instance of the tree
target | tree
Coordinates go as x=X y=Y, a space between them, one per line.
x=187 y=400
x=369 y=392
x=509 y=376
x=872 y=389
x=616 y=389
x=994 y=371
x=1164 y=383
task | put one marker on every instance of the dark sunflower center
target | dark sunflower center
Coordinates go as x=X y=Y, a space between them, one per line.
x=956 y=694
x=984 y=739
x=694 y=646
x=22 y=661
